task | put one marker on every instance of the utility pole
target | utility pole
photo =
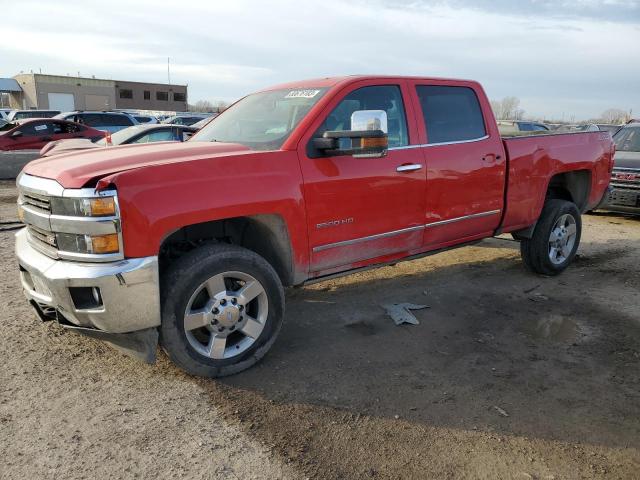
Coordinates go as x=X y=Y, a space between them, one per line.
x=168 y=72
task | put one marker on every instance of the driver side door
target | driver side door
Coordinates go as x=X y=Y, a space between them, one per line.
x=359 y=209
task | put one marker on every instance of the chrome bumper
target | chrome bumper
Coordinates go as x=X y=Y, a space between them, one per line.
x=622 y=199
x=128 y=298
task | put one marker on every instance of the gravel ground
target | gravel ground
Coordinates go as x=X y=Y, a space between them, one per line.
x=508 y=375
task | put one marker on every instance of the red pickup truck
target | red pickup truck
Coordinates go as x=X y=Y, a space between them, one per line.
x=190 y=244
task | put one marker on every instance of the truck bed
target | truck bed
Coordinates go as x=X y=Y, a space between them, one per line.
x=534 y=160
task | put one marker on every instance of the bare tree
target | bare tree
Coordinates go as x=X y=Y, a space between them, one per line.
x=221 y=105
x=207 y=106
x=202 y=106
x=507 y=109
x=614 y=116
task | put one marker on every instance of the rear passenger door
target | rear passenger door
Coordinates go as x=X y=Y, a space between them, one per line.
x=465 y=163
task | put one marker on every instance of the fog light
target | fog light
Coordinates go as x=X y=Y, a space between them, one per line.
x=86 y=298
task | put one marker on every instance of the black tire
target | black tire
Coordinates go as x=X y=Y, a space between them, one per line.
x=184 y=277
x=535 y=251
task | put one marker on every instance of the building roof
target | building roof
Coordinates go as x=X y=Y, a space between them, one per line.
x=9 y=85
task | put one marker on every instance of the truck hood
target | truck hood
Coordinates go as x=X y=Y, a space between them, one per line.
x=81 y=168
x=627 y=159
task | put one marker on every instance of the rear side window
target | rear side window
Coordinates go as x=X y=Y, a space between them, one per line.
x=104 y=120
x=61 y=128
x=37 y=128
x=90 y=119
x=451 y=114
x=117 y=120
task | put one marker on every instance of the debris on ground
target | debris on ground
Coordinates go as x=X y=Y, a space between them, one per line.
x=538 y=297
x=501 y=411
x=400 y=312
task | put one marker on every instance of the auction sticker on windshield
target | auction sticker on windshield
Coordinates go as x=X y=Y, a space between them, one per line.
x=302 y=94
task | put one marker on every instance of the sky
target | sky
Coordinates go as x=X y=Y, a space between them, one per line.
x=568 y=59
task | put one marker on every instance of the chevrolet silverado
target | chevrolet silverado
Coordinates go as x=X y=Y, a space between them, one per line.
x=190 y=245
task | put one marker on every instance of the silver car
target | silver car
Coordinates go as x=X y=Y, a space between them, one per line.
x=624 y=195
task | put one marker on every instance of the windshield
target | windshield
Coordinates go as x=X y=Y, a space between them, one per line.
x=262 y=121
x=628 y=139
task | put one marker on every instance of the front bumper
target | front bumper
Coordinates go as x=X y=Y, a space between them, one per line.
x=128 y=297
x=621 y=199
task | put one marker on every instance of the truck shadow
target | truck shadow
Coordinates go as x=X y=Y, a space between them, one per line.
x=498 y=349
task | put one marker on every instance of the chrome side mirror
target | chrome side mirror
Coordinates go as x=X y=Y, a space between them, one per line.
x=362 y=120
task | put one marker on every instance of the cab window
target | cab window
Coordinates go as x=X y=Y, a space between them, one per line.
x=451 y=114
x=382 y=97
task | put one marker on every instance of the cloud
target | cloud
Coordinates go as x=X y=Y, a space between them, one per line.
x=562 y=56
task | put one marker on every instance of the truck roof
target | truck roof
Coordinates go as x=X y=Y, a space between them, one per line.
x=346 y=79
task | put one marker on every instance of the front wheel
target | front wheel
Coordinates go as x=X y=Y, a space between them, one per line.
x=222 y=309
x=555 y=239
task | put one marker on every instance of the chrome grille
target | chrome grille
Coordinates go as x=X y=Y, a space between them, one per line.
x=37 y=201
x=43 y=236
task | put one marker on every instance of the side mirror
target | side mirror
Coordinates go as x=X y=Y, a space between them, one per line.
x=16 y=134
x=366 y=139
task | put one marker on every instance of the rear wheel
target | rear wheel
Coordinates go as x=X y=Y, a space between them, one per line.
x=555 y=239
x=223 y=307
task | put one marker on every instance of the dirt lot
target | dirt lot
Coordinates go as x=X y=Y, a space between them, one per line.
x=508 y=375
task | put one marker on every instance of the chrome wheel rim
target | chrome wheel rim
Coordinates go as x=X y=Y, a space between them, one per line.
x=225 y=315
x=562 y=239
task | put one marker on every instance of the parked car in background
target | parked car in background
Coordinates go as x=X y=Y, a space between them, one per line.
x=137 y=134
x=589 y=127
x=4 y=113
x=22 y=114
x=624 y=195
x=204 y=122
x=605 y=127
x=33 y=134
x=144 y=118
x=189 y=119
x=510 y=128
x=107 y=121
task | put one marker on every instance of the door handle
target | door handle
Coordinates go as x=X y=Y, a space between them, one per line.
x=409 y=167
x=491 y=157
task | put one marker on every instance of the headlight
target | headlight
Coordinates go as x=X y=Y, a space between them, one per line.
x=83 y=207
x=95 y=244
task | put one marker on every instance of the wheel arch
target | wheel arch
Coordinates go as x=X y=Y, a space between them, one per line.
x=265 y=234
x=573 y=186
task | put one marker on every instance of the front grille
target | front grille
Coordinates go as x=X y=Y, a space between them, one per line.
x=37 y=201
x=624 y=198
x=42 y=236
x=630 y=186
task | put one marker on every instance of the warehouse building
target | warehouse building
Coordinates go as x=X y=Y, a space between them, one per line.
x=150 y=96
x=65 y=93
